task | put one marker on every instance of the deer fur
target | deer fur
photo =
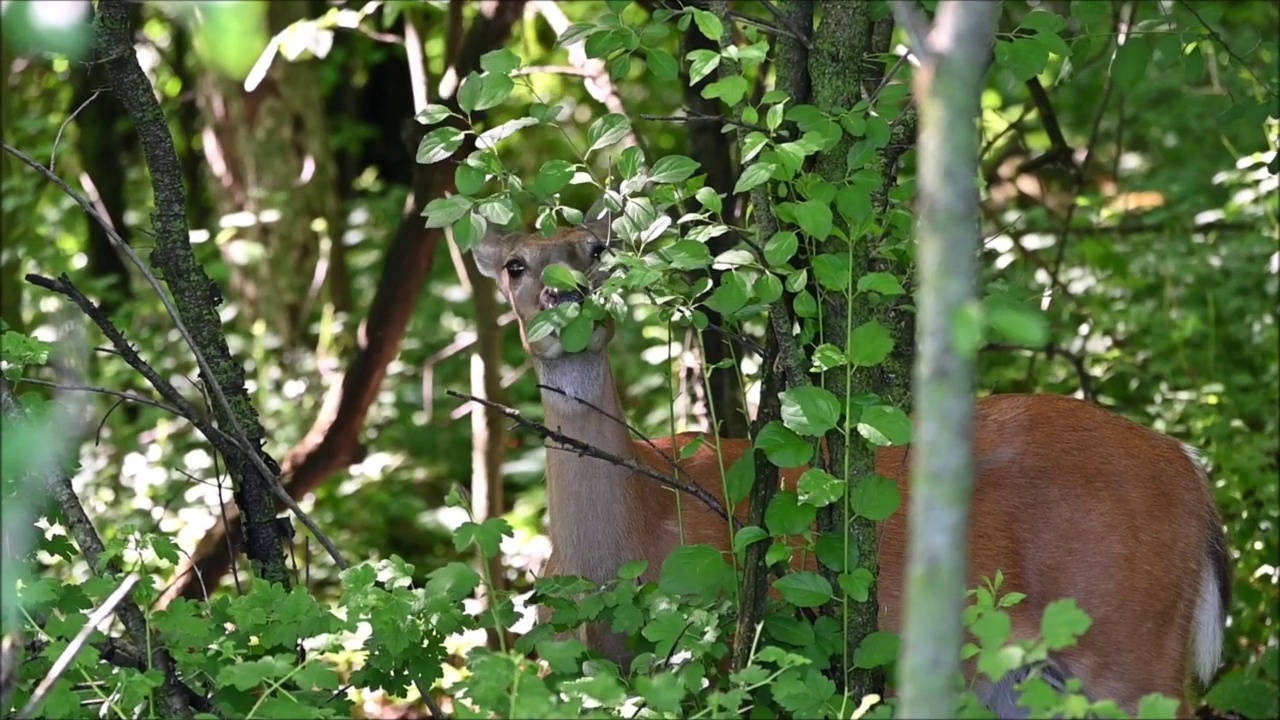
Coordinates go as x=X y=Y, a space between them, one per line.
x=1070 y=500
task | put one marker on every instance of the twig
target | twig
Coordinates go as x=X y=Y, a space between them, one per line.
x=53 y=154
x=1232 y=53
x=124 y=396
x=73 y=648
x=915 y=25
x=1051 y=351
x=432 y=706
x=771 y=29
x=795 y=33
x=610 y=416
x=693 y=117
x=254 y=457
x=583 y=448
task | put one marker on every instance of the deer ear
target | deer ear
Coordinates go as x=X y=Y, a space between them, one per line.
x=491 y=253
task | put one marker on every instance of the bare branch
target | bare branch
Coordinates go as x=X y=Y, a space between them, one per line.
x=96 y=618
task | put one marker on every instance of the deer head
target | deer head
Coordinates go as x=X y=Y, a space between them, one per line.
x=516 y=261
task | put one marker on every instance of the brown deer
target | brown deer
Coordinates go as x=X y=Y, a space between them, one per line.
x=1070 y=500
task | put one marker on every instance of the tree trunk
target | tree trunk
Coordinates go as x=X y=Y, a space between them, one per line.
x=948 y=87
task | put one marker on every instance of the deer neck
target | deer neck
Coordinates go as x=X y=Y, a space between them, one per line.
x=593 y=512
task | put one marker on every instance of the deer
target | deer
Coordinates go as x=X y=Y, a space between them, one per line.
x=1070 y=500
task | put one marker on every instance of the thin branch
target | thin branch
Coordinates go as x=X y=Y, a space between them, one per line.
x=694 y=117
x=795 y=33
x=573 y=444
x=1051 y=351
x=771 y=29
x=228 y=445
x=96 y=618
x=1231 y=53
x=124 y=396
x=610 y=416
x=53 y=154
x=207 y=372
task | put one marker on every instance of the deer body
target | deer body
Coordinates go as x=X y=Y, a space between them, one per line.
x=1070 y=500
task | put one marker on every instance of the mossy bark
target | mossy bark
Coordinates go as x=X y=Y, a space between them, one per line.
x=195 y=295
x=844 y=68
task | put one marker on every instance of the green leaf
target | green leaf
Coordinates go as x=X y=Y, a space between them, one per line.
x=469 y=92
x=632 y=569
x=690 y=448
x=810 y=410
x=827 y=356
x=1024 y=57
x=803 y=589
x=694 y=570
x=499 y=62
x=747 y=535
x=701 y=64
x=753 y=176
x=832 y=271
x=790 y=630
x=814 y=217
x=768 y=288
x=1062 y=623
x=446 y=211
x=468 y=230
x=433 y=114
x=630 y=162
x=486 y=536
x=1130 y=65
x=739 y=477
x=730 y=296
x=1156 y=705
x=709 y=199
x=857 y=584
x=662 y=65
x=729 y=89
x=885 y=425
x=688 y=255
x=575 y=336
x=607 y=130
x=876 y=650
x=554 y=175
x=494 y=90
x=819 y=488
x=875 y=498
x=780 y=248
x=439 y=144
x=783 y=447
x=1237 y=692
x=563 y=277
x=880 y=282
x=859 y=155
x=469 y=179
x=1016 y=323
x=673 y=169
x=497 y=210
x=869 y=344
x=489 y=139
x=786 y=516
x=708 y=24
x=578 y=32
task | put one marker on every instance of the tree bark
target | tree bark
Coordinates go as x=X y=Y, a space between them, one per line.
x=195 y=295
x=948 y=88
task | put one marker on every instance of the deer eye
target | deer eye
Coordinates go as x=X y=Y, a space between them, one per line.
x=597 y=251
x=515 y=268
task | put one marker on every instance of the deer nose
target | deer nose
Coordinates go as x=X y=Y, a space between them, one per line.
x=551 y=297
